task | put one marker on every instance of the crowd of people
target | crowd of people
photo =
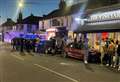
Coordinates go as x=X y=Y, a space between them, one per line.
x=36 y=45
x=109 y=52
x=21 y=44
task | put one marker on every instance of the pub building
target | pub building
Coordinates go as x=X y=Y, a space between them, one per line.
x=101 y=23
x=61 y=18
x=68 y=16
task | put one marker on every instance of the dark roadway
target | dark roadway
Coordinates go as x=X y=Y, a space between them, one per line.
x=19 y=67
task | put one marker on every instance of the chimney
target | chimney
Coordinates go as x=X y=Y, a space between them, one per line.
x=8 y=19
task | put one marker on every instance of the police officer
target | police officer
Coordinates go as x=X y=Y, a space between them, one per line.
x=21 y=44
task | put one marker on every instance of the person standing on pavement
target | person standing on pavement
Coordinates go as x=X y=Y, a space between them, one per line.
x=69 y=40
x=118 y=56
x=33 y=45
x=13 y=43
x=37 y=42
x=53 y=45
x=111 y=53
x=21 y=44
x=28 y=45
x=102 y=51
x=86 y=50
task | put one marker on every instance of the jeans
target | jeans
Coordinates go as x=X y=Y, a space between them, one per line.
x=118 y=60
x=109 y=60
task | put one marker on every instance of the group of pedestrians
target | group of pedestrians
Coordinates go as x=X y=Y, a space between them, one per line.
x=108 y=55
x=21 y=44
x=111 y=53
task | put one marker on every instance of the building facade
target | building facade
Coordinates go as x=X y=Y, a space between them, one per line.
x=62 y=17
x=7 y=30
x=73 y=16
x=101 y=24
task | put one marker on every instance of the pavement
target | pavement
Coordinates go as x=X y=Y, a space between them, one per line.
x=32 y=67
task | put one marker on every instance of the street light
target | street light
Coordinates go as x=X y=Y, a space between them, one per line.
x=21 y=4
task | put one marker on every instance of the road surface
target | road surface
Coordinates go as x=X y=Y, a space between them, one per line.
x=32 y=67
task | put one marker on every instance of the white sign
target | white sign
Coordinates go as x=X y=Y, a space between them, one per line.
x=105 y=16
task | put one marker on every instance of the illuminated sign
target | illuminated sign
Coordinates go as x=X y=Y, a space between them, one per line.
x=104 y=22
x=111 y=15
x=52 y=29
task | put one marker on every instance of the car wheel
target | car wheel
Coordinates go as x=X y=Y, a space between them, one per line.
x=65 y=55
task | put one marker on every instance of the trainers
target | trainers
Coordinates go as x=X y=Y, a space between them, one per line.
x=114 y=66
x=107 y=64
x=85 y=62
x=111 y=65
x=118 y=69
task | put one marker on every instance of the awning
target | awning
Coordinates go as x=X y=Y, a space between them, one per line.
x=98 y=28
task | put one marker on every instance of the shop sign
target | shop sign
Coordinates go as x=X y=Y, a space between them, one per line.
x=105 y=16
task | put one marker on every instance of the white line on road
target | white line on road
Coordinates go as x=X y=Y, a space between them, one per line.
x=45 y=68
x=20 y=58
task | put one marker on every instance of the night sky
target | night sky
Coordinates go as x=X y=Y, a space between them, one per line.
x=9 y=8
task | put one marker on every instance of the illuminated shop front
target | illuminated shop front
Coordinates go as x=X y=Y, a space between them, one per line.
x=102 y=25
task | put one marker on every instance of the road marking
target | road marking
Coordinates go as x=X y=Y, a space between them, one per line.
x=57 y=73
x=20 y=58
x=65 y=64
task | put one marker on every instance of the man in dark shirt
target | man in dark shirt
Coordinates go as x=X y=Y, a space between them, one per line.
x=118 y=56
x=21 y=44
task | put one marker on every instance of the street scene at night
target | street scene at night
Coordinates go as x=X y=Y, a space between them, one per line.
x=59 y=40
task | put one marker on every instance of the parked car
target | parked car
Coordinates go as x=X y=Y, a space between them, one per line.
x=75 y=50
x=51 y=48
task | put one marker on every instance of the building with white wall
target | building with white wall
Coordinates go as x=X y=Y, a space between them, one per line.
x=62 y=17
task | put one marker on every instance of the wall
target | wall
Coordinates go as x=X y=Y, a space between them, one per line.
x=41 y=24
x=47 y=24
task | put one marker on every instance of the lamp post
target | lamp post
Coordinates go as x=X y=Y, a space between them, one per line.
x=20 y=6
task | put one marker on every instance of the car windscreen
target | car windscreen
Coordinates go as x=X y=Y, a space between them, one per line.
x=76 y=45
